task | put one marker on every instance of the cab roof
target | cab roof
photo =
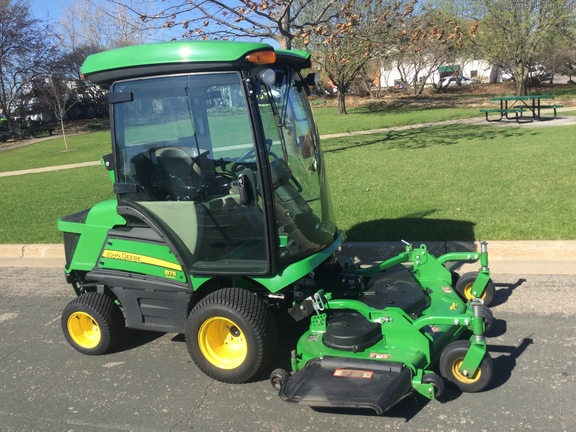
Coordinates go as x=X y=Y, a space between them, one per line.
x=179 y=57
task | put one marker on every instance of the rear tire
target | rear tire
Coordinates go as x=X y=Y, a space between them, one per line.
x=92 y=323
x=231 y=335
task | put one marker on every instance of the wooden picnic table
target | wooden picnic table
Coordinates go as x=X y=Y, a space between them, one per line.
x=519 y=104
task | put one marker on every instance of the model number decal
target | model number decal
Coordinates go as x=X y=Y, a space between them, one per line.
x=379 y=356
x=170 y=274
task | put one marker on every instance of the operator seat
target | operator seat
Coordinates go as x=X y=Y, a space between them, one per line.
x=181 y=176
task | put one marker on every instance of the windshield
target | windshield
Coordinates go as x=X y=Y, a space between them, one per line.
x=303 y=209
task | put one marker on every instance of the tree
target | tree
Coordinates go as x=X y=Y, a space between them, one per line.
x=91 y=98
x=338 y=31
x=513 y=33
x=278 y=20
x=361 y=32
x=100 y=25
x=25 y=49
x=558 y=57
x=58 y=95
x=436 y=38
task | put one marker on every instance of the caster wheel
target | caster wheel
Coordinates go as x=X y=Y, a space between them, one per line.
x=278 y=377
x=464 y=288
x=436 y=381
x=451 y=360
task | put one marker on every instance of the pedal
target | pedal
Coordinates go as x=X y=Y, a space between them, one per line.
x=337 y=382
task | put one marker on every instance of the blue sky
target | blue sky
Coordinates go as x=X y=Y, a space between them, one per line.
x=51 y=9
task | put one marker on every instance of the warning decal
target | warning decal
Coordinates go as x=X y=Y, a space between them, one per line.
x=353 y=373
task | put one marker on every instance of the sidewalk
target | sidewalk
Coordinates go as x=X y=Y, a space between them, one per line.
x=506 y=257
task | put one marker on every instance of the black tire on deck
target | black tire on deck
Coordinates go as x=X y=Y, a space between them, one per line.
x=464 y=288
x=451 y=360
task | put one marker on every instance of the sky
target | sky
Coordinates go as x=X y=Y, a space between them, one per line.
x=48 y=9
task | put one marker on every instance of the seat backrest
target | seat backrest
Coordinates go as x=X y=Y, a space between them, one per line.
x=178 y=170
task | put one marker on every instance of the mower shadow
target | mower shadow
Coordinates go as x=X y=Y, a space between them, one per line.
x=412 y=227
x=504 y=291
x=289 y=331
x=406 y=409
x=505 y=363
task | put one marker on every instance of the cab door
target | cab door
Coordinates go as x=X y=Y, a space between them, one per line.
x=186 y=167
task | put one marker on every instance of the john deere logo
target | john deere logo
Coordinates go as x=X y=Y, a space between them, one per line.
x=142 y=259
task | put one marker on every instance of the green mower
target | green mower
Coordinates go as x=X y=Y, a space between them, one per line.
x=222 y=222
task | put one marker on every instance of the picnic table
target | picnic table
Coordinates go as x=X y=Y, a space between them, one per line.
x=517 y=105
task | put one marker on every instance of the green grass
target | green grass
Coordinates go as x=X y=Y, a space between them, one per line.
x=82 y=148
x=32 y=203
x=452 y=182
x=455 y=183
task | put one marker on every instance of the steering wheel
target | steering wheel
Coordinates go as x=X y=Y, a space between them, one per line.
x=248 y=157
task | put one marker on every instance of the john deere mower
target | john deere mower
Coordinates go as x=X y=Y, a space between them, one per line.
x=222 y=220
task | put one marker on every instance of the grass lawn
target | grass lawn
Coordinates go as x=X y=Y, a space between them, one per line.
x=455 y=182
x=81 y=148
x=452 y=182
x=33 y=202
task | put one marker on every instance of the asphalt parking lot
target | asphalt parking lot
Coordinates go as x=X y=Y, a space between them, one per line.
x=151 y=384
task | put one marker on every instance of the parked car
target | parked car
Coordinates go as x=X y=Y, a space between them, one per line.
x=399 y=85
x=451 y=80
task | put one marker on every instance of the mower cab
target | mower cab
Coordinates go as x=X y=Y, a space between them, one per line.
x=222 y=217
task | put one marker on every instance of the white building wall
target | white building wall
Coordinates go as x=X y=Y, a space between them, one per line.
x=476 y=69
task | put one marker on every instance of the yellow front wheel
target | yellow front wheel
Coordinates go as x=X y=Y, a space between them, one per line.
x=222 y=343
x=92 y=323
x=231 y=335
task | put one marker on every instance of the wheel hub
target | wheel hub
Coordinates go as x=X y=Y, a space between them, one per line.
x=465 y=376
x=84 y=330
x=222 y=343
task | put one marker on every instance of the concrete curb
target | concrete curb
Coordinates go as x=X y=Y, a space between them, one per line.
x=34 y=251
x=514 y=257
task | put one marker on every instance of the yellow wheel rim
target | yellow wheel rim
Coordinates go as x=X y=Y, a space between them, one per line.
x=468 y=292
x=84 y=330
x=222 y=343
x=462 y=378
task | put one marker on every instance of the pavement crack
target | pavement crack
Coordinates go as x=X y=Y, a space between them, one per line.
x=10 y=354
x=204 y=395
x=197 y=407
